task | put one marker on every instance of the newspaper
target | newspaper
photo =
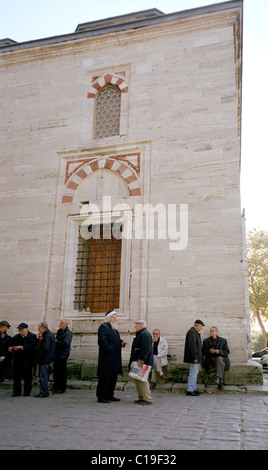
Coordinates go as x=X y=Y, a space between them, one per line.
x=139 y=372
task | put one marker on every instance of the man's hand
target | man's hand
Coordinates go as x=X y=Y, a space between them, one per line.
x=214 y=351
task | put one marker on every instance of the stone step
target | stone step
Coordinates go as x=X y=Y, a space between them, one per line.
x=169 y=387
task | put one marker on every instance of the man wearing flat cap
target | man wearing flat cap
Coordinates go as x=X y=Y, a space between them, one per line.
x=109 y=360
x=24 y=354
x=5 y=344
x=193 y=356
x=142 y=352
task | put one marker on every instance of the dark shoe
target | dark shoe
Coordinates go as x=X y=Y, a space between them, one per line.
x=196 y=392
x=14 y=395
x=115 y=399
x=103 y=401
x=57 y=391
x=192 y=394
x=219 y=383
x=138 y=401
x=152 y=385
x=40 y=396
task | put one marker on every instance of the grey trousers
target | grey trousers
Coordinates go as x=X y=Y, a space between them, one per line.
x=157 y=368
x=220 y=366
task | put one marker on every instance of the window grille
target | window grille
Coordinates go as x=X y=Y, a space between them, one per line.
x=97 y=285
x=107 y=111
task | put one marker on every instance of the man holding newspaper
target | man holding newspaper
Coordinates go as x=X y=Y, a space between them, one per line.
x=141 y=362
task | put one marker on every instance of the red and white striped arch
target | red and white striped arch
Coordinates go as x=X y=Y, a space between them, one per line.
x=103 y=80
x=121 y=168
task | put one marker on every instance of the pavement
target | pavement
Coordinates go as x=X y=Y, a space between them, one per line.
x=230 y=420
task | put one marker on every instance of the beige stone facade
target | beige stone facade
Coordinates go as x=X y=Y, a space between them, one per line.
x=179 y=76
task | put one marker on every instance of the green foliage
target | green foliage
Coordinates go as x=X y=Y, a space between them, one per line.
x=257 y=342
x=257 y=244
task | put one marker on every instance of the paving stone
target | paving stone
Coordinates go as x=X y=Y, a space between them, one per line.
x=75 y=421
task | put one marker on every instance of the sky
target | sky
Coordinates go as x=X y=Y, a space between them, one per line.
x=25 y=20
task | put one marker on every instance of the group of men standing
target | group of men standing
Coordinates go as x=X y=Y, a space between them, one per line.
x=153 y=352
x=31 y=351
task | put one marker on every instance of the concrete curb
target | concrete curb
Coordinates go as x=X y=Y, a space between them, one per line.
x=169 y=387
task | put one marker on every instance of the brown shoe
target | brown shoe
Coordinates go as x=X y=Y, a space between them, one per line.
x=143 y=402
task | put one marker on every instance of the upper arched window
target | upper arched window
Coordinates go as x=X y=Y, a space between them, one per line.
x=107 y=111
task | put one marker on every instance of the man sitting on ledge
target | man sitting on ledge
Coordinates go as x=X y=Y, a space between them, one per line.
x=160 y=351
x=216 y=350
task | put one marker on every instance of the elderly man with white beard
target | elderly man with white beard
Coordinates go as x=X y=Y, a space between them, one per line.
x=110 y=360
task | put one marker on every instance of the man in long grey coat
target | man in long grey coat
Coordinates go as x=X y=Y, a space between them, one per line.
x=110 y=361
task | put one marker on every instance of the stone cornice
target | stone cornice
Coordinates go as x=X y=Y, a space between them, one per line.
x=108 y=27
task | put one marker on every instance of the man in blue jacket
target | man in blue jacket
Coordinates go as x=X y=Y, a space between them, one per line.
x=109 y=361
x=62 y=352
x=45 y=355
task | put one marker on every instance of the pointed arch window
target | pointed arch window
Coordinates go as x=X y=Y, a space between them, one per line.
x=107 y=111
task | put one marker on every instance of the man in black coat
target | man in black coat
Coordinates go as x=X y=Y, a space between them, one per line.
x=24 y=353
x=45 y=355
x=215 y=350
x=5 y=344
x=193 y=356
x=62 y=352
x=142 y=353
x=109 y=361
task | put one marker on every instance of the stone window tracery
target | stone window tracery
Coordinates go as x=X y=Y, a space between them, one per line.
x=107 y=111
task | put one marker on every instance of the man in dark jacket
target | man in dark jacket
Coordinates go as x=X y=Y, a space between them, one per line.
x=45 y=355
x=109 y=361
x=215 y=350
x=24 y=353
x=62 y=352
x=193 y=356
x=142 y=352
x=5 y=344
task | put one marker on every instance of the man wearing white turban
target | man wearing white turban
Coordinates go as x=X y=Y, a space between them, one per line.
x=110 y=361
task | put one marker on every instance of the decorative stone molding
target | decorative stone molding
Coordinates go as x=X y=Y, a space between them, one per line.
x=117 y=164
x=103 y=80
